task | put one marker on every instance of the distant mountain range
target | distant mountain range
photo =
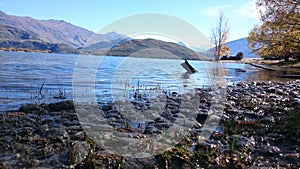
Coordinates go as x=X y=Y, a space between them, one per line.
x=102 y=47
x=29 y=34
x=55 y=31
x=154 y=48
x=240 y=45
x=12 y=38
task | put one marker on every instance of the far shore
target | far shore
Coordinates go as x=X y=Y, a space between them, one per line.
x=261 y=61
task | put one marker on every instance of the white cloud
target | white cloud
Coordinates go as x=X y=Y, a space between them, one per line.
x=248 y=10
x=215 y=11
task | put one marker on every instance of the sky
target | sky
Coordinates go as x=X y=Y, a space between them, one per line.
x=96 y=14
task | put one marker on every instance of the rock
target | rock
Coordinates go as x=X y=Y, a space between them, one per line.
x=201 y=118
x=279 y=91
x=294 y=93
x=151 y=130
x=233 y=111
x=295 y=102
x=28 y=108
x=274 y=137
x=268 y=120
x=179 y=115
x=79 y=151
x=162 y=126
x=113 y=114
x=107 y=107
x=176 y=111
x=79 y=136
x=168 y=115
x=240 y=141
x=268 y=150
x=174 y=93
x=160 y=120
x=271 y=90
x=64 y=105
x=252 y=131
x=173 y=104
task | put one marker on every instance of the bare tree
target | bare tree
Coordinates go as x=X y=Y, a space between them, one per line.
x=220 y=35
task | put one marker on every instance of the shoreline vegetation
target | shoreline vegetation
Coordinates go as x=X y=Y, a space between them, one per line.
x=258 y=128
x=23 y=50
x=261 y=61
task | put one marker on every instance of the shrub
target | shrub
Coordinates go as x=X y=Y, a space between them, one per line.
x=239 y=56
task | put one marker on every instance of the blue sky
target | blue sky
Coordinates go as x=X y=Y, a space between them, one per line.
x=96 y=14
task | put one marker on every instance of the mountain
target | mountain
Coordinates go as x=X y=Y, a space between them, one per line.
x=16 y=39
x=56 y=31
x=240 y=45
x=102 y=47
x=11 y=33
x=155 y=49
x=29 y=34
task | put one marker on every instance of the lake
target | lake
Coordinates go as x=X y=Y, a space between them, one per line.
x=41 y=77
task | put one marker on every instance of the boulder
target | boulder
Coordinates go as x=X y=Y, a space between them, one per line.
x=64 y=105
x=28 y=108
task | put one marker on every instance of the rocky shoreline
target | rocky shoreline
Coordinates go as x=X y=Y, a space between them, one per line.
x=259 y=127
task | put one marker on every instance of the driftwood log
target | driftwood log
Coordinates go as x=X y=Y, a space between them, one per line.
x=262 y=67
x=186 y=65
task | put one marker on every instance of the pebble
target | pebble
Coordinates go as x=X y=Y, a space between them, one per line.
x=252 y=129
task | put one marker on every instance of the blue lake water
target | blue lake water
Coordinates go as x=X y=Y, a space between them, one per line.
x=40 y=77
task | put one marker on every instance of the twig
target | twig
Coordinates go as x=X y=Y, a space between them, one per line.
x=41 y=88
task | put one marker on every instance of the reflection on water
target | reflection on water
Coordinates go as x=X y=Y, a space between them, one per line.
x=264 y=75
x=23 y=75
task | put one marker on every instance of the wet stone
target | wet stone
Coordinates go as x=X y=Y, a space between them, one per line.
x=234 y=111
x=151 y=130
x=201 y=118
x=162 y=126
x=107 y=107
x=79 y=151
x=268 y=120
x=178 y=115
x=268 y=150
x=113 y=114
x=28 y=108
x=251 y=133
x=271 y=90
x=176 y=111
x=168 y=115
x=64 y=105
x=240 y=141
